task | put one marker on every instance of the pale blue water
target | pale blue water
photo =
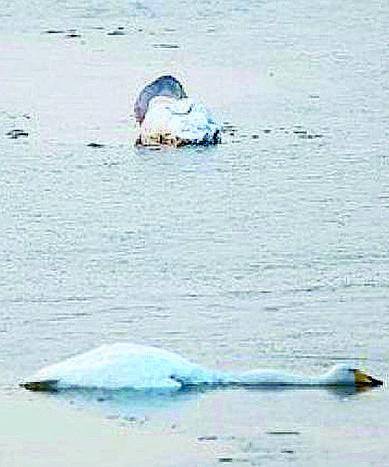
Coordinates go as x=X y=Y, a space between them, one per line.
x=270 y=250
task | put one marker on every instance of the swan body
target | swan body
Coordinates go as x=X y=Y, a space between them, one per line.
x=178 y=122
x=168 y=117
x=133 y=366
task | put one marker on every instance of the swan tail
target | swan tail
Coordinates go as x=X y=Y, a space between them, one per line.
x=49 y=385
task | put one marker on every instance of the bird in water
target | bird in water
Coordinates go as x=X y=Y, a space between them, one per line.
x=121 y=365
x=167 y=116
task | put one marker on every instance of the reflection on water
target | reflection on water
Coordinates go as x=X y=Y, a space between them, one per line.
x=254 y=424
x=127 y=403
x=164 y=404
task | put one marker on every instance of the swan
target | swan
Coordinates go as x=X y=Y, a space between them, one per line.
x=167 y=116
x=122 y=365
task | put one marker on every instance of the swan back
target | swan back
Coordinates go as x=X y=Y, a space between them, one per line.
x=178 y=122
x=121 y=365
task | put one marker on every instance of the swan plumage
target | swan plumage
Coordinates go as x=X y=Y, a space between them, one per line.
x=167 y=116
x=134 y=366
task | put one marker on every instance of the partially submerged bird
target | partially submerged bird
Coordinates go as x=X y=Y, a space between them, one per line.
x=131 y=366
x=167 y=116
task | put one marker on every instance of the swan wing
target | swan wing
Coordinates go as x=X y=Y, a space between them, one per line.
x=118 y=366
x=178 y=121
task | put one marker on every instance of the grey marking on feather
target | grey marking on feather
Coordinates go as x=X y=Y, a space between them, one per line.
x=184 y=113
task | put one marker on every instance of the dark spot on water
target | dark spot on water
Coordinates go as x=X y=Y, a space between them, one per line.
x=207 y=438
x=229 y=128
x=255 y=136
x=283 y=432
x=117 y=32
x=73 y=34
x=287 y=451
x=304 y=134
x=309 y=136
x=225 y=459
x=166 y=46
x=17 y=133
x=54 y=31
x=267 y=131
x=95 y=145
x=101 y=399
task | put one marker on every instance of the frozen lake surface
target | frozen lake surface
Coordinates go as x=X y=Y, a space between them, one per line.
x=270 y=250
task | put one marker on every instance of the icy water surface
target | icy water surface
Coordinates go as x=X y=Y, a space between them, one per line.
x=270 y=250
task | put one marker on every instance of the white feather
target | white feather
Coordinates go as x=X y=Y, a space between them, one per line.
x=178 y=121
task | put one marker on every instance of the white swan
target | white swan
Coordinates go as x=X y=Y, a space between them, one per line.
x=168 y=117
x=141 y=367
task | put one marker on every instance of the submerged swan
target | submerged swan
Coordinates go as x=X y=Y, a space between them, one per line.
x=120 y=366
x=167 y=116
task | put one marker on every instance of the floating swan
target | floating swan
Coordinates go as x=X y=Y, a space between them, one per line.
x=168 y=117
x=133 y=366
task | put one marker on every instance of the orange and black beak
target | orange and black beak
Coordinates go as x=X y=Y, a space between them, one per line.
x=362 y=379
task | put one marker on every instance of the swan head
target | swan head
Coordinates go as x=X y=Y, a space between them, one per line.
x=163 y=86
x=349 y=376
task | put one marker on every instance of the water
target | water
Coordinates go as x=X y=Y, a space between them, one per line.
x=270 y=250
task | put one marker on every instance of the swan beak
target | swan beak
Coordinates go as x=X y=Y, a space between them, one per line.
x=362 y=379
